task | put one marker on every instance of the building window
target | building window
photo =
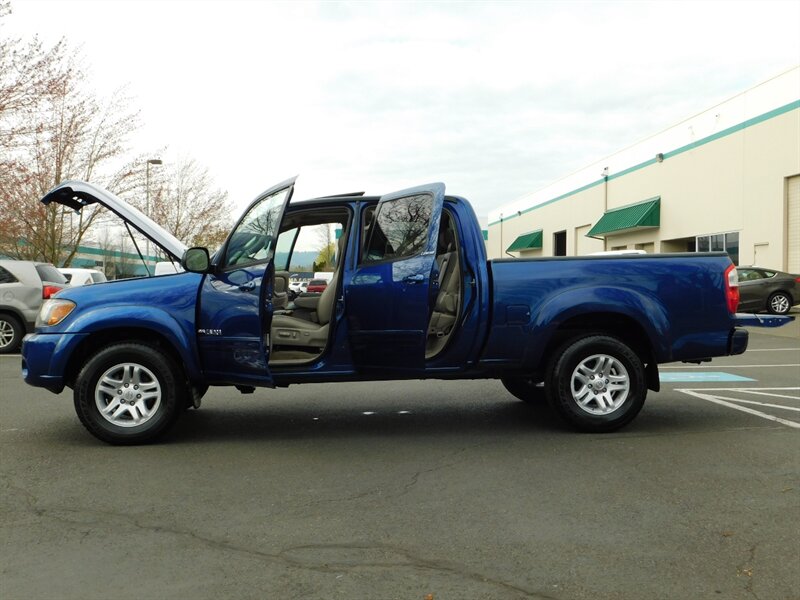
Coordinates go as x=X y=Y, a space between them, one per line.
x=720 y=242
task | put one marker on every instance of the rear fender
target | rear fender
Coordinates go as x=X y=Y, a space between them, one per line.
x=646 y=311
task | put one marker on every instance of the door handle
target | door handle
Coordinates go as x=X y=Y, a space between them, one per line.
x=248 y=287
x=418 y=278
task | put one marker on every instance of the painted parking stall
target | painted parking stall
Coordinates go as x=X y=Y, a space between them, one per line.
x=764 y=383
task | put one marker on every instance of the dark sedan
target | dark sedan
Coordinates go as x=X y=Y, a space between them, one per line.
x=767 y=289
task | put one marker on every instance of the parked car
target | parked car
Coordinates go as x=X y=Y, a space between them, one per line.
x=414 y=297
x=77 y=276
x=166 y=267
x=296 y=288
x=316 y=286
x=767 y=289
x=23 y=287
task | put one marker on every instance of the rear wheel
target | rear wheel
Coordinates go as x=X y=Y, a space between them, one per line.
x=779 y=303
x=596 y=383
x=128 y=393
x=525 y=389
x=11 y=333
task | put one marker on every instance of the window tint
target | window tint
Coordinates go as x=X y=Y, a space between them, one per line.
x=6 y=276
x=769 y=273
x=748 y=275
x=50 y=273
x=251 y=241
x=400 y=228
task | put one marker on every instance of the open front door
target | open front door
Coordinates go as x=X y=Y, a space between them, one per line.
x=235 y=304
x=387 y=299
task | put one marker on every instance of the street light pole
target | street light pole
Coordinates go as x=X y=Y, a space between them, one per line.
x=151 y=161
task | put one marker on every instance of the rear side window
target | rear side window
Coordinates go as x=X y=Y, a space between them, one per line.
x=6 y=276
x=400 y=228
x=50 y=273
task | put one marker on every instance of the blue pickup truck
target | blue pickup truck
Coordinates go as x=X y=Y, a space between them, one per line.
x=413 y=296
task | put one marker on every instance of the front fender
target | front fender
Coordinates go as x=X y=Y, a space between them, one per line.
x=179 y=333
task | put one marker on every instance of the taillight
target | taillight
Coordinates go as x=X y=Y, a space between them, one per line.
x=732 y=289
x=49 y=290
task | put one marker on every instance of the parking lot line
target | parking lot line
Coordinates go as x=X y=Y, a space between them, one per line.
x=729 y=366
x=735 y=406
x=772 y=395
x=764 y=404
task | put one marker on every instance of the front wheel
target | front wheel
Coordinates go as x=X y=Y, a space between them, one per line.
x=128 y=393
x=779 y=303
x=596 y=383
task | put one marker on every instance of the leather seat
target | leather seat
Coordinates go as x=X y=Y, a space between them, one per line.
x=448 y=299
x=292 y=331
x=280 y=290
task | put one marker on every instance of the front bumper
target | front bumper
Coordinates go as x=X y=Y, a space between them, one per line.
x=45 y=357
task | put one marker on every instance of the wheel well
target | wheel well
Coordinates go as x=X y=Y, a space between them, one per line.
x=103 y=338
x=619 y=326
x=786 y=293
x=13 y=313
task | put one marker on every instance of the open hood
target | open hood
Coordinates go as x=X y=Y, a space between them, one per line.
x=77 y=194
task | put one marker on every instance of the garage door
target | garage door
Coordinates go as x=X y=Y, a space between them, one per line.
x=793 y=224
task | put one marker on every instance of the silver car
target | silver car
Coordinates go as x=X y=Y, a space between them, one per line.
x=24 y=285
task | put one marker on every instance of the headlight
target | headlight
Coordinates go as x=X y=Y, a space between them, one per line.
x=54 y=311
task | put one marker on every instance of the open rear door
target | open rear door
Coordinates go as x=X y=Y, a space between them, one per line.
x=387 y=299
x=235 y=304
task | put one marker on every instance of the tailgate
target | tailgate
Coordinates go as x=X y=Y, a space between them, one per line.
x=752 y=320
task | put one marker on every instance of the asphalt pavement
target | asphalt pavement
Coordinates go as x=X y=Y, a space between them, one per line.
x=408 y=490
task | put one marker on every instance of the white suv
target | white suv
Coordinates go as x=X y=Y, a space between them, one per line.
x=77 y=277
x=24 y=285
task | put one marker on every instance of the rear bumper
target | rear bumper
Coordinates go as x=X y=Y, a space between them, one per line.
x=737 y=342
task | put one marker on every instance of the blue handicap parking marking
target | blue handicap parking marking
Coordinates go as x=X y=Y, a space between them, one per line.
x=701 y=376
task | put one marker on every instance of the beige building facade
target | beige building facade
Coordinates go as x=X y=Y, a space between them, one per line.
x=726 y=179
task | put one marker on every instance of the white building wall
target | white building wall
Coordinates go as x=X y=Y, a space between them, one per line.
x=725 y=170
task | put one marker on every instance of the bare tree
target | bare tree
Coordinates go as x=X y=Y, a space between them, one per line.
x=184 y=200
x=53 y=128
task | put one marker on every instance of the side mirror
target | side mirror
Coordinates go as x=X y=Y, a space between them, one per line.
x=196 y=260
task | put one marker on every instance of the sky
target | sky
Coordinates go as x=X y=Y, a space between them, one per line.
x=494 y=99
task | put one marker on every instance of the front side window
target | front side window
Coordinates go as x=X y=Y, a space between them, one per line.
x=400 y=228
x=283 y=251
x=251 y=241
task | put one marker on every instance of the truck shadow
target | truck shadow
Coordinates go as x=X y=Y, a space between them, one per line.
x=507 y=419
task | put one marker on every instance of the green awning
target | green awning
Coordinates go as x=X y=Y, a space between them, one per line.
x=527 y=241
x=641 y=215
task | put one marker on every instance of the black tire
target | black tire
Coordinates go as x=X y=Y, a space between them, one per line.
x=578 y=378
x=779 y=303
x=11 y=333
x=525 y=389
x=146 y=369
